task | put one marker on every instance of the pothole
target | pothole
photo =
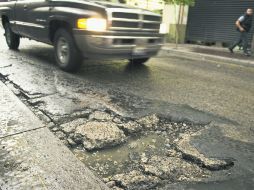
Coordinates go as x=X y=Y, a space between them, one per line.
x=140 y=153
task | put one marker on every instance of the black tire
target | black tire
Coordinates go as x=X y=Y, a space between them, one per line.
x=67 y=55
x=138 y=61
x=12 y=39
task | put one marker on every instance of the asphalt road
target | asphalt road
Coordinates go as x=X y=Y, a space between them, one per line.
x=196 y=91
x=221 y=89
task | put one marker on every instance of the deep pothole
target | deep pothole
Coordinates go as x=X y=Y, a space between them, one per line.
x=140 y=153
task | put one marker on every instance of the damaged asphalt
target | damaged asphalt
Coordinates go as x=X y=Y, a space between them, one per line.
x=199 y=113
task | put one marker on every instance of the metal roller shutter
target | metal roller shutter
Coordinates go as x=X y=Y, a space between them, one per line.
x=214 y=20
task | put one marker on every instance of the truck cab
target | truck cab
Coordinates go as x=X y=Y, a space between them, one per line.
x=84 y=29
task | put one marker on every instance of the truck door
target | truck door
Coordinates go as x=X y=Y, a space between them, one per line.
x=38 y=11
x=21 y=17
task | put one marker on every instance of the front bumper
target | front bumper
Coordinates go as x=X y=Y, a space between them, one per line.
x=118 y=45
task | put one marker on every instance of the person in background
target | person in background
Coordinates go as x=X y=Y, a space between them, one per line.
x=243 y=24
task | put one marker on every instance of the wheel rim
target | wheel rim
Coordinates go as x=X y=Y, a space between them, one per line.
x=8 y=35
x=63 y=51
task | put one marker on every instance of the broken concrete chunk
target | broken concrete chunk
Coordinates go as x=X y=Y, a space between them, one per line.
x=85 y=113
x=54 y=129
x=117 y=188
x=71 y=142
x=131 y=127
x=173 y=153
x=172 y=168
x=190 y=153
x=99 y=115
x=150 y=122
x=71 y=126
x=117 y=120
x=60 y=135
x=111 y=184
x=136 y=180
x=97 y=135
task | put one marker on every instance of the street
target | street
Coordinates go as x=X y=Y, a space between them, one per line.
x=153 y=114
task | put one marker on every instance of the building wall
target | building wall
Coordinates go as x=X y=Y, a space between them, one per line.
x=175 y=17
x=214 y=20
x=171 y=14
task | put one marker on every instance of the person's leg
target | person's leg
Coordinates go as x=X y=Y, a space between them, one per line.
x=245 y=41
x=237 y=42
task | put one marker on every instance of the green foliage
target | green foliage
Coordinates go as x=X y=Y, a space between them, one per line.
x=180 y=2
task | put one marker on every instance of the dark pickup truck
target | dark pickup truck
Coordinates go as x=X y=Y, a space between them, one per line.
x=81 y=29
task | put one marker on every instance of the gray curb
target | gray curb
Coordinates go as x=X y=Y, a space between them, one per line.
x=200 y=56
x=31 y=157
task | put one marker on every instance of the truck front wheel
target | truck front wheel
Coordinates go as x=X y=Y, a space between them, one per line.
x=67 y=55
x=12 y=39
x=138 y=61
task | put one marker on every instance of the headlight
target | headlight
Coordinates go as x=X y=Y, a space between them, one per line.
x=163 y=28
x=92 y=24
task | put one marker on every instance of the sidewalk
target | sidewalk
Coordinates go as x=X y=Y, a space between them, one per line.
x=212 y=53
x=31 y=157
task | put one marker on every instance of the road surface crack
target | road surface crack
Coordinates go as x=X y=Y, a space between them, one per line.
x=18 y=133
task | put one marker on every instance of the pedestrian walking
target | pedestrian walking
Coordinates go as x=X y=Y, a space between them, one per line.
x=243 y=24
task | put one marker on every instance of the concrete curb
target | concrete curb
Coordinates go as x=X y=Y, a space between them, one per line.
x=201 y=56
x=32 y=157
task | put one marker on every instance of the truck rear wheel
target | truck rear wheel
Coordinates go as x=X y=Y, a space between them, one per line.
x=12 y=39
x=67 y=55
x=138 y=61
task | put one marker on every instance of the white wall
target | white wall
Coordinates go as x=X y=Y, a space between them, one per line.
x=171 y=12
